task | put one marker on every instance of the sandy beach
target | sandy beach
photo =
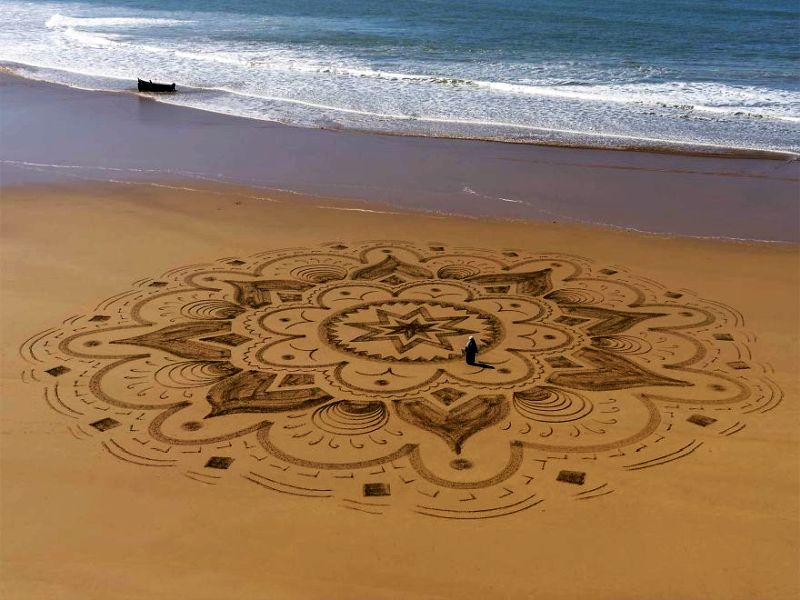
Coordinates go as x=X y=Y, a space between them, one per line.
x=630 y=433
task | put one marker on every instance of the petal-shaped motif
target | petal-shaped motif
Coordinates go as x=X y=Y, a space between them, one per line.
x=253 y=392
x=611 y=372
x=457 y=425
x=611 y=322
x=178 y=340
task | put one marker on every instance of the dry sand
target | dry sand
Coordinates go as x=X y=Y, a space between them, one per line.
x=721 y=522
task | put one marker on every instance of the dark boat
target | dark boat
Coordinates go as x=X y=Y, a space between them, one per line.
x=149 y=86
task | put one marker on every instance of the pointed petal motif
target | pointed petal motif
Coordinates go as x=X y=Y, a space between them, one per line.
x=177 y=340
x=391 y=266
x=613 y=372
x=457 y=425
x=611 y=322
x=534 y=283
x=228 y=339
x=249 y=392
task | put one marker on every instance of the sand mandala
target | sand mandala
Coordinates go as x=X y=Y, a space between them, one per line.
x=337 y=373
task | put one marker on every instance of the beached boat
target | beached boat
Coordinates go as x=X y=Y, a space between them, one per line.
x=149 y=86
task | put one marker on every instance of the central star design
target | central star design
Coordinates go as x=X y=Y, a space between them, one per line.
x=406 y=331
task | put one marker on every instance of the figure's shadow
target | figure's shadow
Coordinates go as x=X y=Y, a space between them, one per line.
x=481 y=365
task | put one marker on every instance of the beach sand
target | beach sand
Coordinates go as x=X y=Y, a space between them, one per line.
x=721 y=522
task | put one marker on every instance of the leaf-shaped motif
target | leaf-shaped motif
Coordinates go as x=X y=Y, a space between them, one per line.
x=457 y=425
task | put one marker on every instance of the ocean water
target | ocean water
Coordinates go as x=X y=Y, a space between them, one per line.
x=616 y=73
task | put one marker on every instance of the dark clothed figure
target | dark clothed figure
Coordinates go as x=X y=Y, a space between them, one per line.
x=471 y=351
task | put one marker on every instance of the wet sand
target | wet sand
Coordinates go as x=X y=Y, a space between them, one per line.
x=53 y=133
x=78 y=523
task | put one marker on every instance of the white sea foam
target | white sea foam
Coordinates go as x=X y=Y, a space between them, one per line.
x=710 y=97
x=225 y=58
x=715 y=98
x=478 y=122
x=58 y=20
x=700 y=96
x=92 y=40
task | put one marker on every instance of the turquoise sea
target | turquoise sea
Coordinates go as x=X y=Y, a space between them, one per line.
x=613 y=73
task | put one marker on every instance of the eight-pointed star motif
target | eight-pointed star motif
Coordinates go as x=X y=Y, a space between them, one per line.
x=406 y=331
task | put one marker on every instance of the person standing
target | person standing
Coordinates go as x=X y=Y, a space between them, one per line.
x=471 y=350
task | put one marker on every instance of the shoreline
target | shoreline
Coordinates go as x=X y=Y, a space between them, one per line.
x=667 y=147
x=63 y=133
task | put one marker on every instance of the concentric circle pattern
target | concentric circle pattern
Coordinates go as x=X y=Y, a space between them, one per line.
x=351 y=418
x=337 y=372
x=551 y=405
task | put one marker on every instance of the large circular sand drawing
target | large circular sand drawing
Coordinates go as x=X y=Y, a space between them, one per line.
x=337 y=372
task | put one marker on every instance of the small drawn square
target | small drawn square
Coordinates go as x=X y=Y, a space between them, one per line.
x=236 y=262
x=701 y=420
x=105 y=424
x=158 y=284
x=724 y=337
x=219 y=462
x=437 y=248
x=575 y=477
x=56 y=371
x=608 y=271
x=377 y=489
x=738 y=364
x=673 y=295
x=99 y=318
